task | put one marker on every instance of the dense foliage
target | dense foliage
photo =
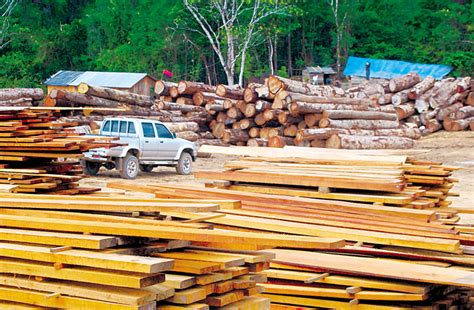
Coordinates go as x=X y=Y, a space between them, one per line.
x=152 y=35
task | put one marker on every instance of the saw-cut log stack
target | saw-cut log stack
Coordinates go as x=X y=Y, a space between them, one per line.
x=39 y=154
x=20 y=96
x=118 y=252
x=404 y=250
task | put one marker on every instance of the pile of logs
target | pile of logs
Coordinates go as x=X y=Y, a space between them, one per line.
x=20 y=96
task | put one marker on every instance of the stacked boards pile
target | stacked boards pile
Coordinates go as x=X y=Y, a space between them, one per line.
x=20 y=96
x=39 y=154
x=125 y=253
x=404 y=246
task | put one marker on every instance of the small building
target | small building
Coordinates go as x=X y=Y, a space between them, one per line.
x=138 y=83
x=319 y=75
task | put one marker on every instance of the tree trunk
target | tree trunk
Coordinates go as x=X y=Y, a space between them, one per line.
x=17 y=93
x=404 y=82
x=358 y=124
x=279 y=141
x=230 y=92
x=326 y=133
x=264 y=93
x=421 y=88
x=233 y=136
x=465 y=112
x=360 y=115
x=445 y=112
x=257 y=142
x=262 y=105
x=190 y=88
x=405 y=110
x=117 y=95
x=162 y=88
x=250 y=110
x=270 y=115
x=351 y=142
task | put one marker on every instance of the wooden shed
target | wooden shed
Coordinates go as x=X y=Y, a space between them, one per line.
x=138 y=83
x=322 y=75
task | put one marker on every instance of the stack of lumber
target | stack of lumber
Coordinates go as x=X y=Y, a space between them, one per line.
x=20 y=96
x=116 y=252
x=39 y=154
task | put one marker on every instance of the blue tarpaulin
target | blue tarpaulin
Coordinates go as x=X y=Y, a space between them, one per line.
x=387 y=69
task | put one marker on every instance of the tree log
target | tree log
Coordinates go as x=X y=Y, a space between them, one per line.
x=202 y=98
x=161 y=105
x=358 y=124
x=276 y=84
x=465 y=112
x=162 y=88
x=174 y=92
x=305 y=108
x=246 y=123
x=445 y=112
x=403 y=82
x=441 y=95
x=464 y=84
x=254 y=132
x=213 y=106
x=235 y=113
x=400 y=97
x=116 y=95
x=233 y=136
x=250 y=110
x=279 y=141
x=426 y=116
x=458 y=124
x=433 y=125
x=290 y=97
x=216 y=142
x=230 y=92
x=286 y=118
x=271 y=115
x=262 y=105
x=264 y=93
x=405 y=110
x=361 y=115
x=470 y=99
x=85 y=100
x=23 y=102
x=352 y=142
x=184 y=126
x=188 y=135
x=414 y=119
x=184 y=100
x=260 y=119
x=218 y=130
x=312 y=120
x=385 y=99
x=250 y=92
x=326 y=133
x=257 y=142
x=421 y=88
x=17 y=93
x=190 y=88
x=290 y=131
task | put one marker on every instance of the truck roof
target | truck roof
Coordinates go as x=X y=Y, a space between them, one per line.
x=130 y=119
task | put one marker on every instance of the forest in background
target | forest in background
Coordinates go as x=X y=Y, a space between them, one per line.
x=44 y=36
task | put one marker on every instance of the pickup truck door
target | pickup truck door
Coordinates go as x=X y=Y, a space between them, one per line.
x=151 y=142
x=169 y=146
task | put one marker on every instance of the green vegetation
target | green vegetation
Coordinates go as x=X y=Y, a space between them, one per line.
x=151 y=35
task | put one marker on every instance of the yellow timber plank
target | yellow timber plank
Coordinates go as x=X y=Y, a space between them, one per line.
x=178 y=281
x=249 y=303
x=41 y=299
x=11 y=305
x=87 y=258
x=223 y=260
x=80 y=274
x=195 y=306
x=169 y=232
x=115 y=294
x=188 y=296
x=295 y=290
x=57 y=238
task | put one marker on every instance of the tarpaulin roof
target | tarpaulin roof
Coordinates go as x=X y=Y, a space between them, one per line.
x=93 y=78
x=387 y=69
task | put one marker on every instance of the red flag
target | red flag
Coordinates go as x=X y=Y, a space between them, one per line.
x=167 y=73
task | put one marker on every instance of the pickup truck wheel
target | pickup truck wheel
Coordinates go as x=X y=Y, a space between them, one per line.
x=185 y=164
x=146 y=168
x=130 y=167
x=91 y=168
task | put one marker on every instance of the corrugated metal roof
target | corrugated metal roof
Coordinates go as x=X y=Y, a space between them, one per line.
x=319 y=70
x=94 y=78
x=387 y=69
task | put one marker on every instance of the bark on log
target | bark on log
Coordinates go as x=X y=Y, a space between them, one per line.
x=326 y=133
x=233 y=136
x=229 y=103
x=202 y=98
x=405 y=110
x=458 y=124
x=20 y=102
x=290 y=97
x=277 y=84
x=230 y=92
x=188 y=135
x=465 y=112
x=414 y=119
x=457 y=97
x=279 y=141
x=351 y=142
x=216 y=107
x=400 y=97
x=369 y=115
x=85 y=100
x=464 y=84
x=305 y=108
x=385 y=99
x=421 y=88
x=441 y=95
x=216 y=142
x=162 y=88
x=317 y=143
x=445 y=112
x=178 y=107
x=184 y=126
x=262 y=105
x=190 y=88
x=116 y=95
x=264 y=93
x=271 y=115
x=257 y=142
x=404 y=82
x=358 y=124
x=250 y=92
x=17 y=93
x=433 y=125
x=426 y=116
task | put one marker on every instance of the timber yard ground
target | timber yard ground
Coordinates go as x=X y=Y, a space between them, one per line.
x=451 y=148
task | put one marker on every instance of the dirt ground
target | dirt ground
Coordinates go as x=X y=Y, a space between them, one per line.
x=451 y=148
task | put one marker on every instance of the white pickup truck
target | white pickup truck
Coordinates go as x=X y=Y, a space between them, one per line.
x=148 y=144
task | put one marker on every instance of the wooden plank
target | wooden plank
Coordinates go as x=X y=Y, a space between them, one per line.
x=224 y=261
x=57 y=238
x=188 y=296
x=41 y=299
x=249 y=303
x=225 y=299
x=18 y=306
x=178 y=281
x=80 y=274
x=370 y=267
x=162 y=292
x=126 y=296
x=194 y=267
x=169 y=232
